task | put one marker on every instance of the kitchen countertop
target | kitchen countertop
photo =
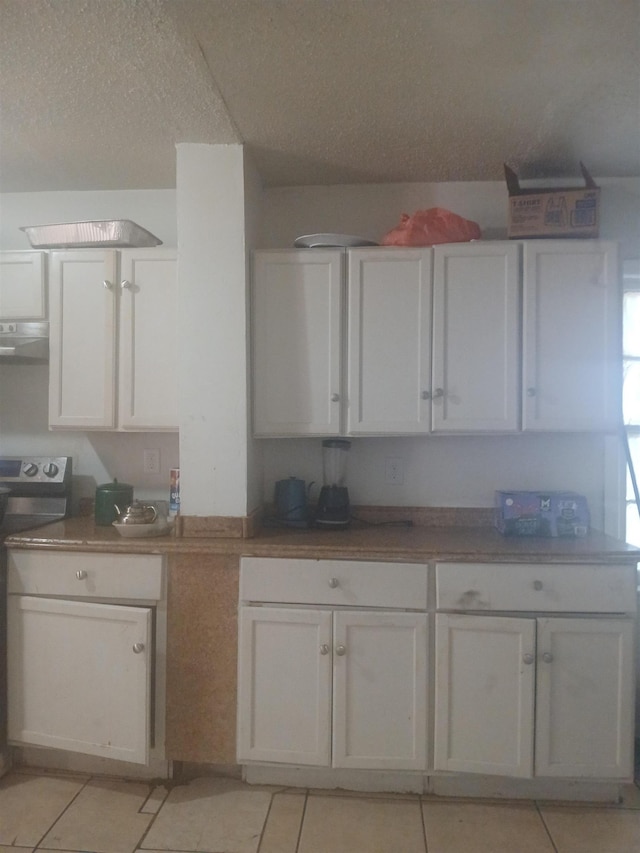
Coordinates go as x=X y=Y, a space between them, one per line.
x=382 y=542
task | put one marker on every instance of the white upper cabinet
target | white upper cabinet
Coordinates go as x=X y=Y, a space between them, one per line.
x=148 y=364
x=82 y=346
x=23 y=286
x=389 y=341
x=571 y=336
x=297 y=342
x=99 y=299
x=438 y=340
x=476 y=308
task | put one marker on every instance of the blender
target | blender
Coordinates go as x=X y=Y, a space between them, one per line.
x=333 y=502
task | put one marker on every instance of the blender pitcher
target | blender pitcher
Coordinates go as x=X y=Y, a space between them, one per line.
x=333 y=501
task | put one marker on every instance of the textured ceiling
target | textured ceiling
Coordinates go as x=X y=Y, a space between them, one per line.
x=94 y=94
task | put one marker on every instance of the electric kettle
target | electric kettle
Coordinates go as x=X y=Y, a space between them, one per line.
x=291 y=502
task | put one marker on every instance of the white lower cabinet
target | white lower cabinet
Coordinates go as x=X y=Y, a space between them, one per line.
x=98 y=703
x=535 y=695
x=86 y=644
x=330 y=686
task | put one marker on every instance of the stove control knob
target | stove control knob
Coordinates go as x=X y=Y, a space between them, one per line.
x=50 y=469
x=30 y=469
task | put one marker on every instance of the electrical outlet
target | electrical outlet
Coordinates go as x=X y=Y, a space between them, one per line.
x=151 y=461
x=393 y=472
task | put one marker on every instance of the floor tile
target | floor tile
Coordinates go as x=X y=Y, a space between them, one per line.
x=155 y=801
x=593 y=830
x=460 y=827
x=210 y=815
x=350 y=825
x=104 y=818
x=282 y=830
x=30 y=804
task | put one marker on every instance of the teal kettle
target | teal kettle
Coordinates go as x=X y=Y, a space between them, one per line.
x=290 y=501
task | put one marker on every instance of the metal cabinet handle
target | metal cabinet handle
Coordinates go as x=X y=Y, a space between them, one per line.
x=125 y=284
x=439 y=392
x=107 y=285
x=537 y=585
x=426 y=395
x=547 y=657
x=335 y=398
x=340 y=650
x=324 y=649
x=531 y=392
x=334 y=582
x=81 y=575
x=137 y=648
x=528 y=659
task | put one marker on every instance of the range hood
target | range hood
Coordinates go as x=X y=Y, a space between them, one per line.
x=24 y=341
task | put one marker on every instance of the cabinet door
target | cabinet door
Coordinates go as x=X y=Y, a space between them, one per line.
x=22 y=286
x=484 y=706
x=83 y=297
x=585 y=695
x=148 y=372
x=297 y=307
x=284 y=685
x=389 y=342
x=476 y=305
x=380 y=690
x=571 y=358
x=75 y=680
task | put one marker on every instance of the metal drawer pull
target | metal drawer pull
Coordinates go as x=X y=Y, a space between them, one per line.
x=125 y=284
x=81 y=575
x=340 y=650
x=137 y=648
x=439 y=392
x=334 y=582
x=107 y=285
x=537 y=585
x=528 y=659
x=324 y=649
x=335 y=398
x=547 y=657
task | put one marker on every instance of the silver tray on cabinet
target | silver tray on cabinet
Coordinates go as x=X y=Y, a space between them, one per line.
x=92 y=234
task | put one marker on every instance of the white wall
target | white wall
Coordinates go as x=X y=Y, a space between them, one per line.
x=212 y=330
x=460 y=471
x=370 y=210
x=154 y=210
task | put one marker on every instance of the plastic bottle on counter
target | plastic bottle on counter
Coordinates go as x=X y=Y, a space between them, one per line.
x=174 y=492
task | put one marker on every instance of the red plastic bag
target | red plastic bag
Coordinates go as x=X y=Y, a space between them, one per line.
x=432 y=226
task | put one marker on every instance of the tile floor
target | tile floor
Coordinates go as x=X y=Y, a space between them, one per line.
x=64 y=813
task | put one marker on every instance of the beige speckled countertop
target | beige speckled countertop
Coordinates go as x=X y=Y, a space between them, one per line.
x=418 y=543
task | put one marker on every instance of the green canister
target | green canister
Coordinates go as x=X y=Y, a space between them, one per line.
x=108 y=496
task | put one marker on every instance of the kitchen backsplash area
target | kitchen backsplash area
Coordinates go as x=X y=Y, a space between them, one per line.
x=98 y=457
x=456 y=471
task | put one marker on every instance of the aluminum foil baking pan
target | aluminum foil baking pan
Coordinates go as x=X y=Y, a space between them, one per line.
x=94 y=234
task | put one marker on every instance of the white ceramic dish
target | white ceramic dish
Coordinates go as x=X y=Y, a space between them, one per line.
x=160 y=527
x=337 y=241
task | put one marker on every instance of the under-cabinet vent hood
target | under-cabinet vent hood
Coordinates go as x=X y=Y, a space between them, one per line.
x=24 y=341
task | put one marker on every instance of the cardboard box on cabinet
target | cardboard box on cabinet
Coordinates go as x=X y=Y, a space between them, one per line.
x=552 y=212
x=542 y=514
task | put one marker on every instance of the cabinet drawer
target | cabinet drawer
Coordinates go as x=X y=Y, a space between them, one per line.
x=354 y=583
x=131 y=576
x=545 y=587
